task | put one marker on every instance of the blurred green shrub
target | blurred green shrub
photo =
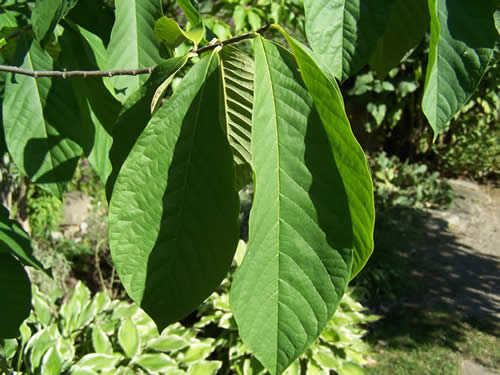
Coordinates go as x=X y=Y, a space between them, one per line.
x=386 y=115
x=87 y=335
x=407 y=184
x=234 y=17
x=471 y=147
x=98 y=336
x=44 y=212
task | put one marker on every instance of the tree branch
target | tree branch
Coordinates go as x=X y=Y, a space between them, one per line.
x=121 y=72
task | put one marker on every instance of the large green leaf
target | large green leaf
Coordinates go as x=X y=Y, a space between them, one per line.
x=14 y=240
x=136 y=113
x=344 y=33
x=173 y=217
x=42 y=123
x=237 y=70
x=301 y=240
x=133 y=43
x=47 y=14
x=15 y=289
x=408 y=22
x=82 y=50
x=463 y=37
x=348 y=154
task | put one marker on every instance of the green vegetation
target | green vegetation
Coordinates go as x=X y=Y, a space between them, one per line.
x=164 y=111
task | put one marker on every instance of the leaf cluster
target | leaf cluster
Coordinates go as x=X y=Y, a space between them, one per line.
x=173 y=156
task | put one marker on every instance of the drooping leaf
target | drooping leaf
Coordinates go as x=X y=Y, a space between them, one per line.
x=169 y=32
x=133 y=43
x=408 y=22
x=136 y=113
x=82 y=50
x=348 y=154
x=46 y=16
x=301 y=240
x=173 y=224
x=237 y=70
x=16 y=295
x=458 y=56
x=42 y=123
x=344 y=33
x=13 y=239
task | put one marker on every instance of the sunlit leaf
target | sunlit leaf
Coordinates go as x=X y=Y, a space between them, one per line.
x=299 y=255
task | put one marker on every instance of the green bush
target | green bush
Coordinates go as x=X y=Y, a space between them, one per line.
x=471 y=147
x=384 y=113
x=96 y=335
x=407 y=184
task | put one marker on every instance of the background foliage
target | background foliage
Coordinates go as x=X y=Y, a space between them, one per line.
x=154 y=142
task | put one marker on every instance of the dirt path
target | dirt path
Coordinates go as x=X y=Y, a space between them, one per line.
x=461 y=254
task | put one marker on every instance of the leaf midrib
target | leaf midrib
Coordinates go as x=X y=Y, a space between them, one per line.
x=278 y=193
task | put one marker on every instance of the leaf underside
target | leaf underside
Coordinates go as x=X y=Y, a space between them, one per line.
x=135 y=115
x=173 y=219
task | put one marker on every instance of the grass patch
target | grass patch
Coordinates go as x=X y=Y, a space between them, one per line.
x=410 y=342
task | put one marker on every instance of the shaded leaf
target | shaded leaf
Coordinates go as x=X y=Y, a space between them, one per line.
x=82 y=50
x=15 y=289
x=344 y=33
x=15 y=240
x=133 y=43
x=173 y=217
x=42 y=123
x=458 y=56
x=46 y=16
x=407 y=24
x=348 y=154
x=135 y=115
